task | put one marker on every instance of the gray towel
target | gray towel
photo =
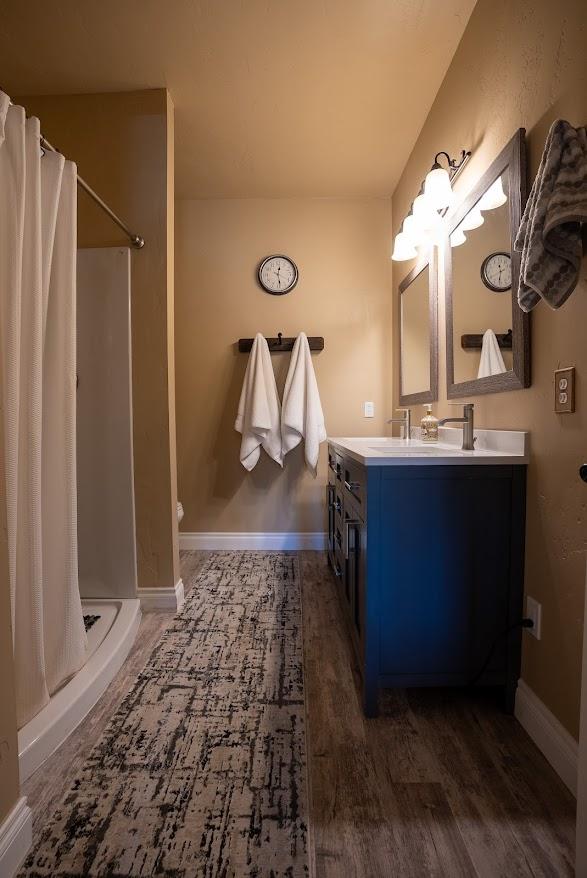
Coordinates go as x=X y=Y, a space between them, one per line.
x=549 y=236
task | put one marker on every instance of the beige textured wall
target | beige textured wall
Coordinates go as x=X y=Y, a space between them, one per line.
x=9 y=783
x=342 y=250
x=523 y=65
x=123 y=146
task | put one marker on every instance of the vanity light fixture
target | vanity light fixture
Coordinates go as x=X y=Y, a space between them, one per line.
x=473 y=220
x=494 y=197
x=403 y=248
x=458 y=237
x=427 y=216
x=424 y=222
x=437 y=187
x=413 y=229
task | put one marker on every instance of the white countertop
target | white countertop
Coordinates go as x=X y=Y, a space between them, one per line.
x=503 y=447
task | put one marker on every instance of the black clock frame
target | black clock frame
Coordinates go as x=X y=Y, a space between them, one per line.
x=486 y=280
x=277 y=292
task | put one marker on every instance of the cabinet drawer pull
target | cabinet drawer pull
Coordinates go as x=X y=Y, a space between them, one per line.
x=352 y=486
x=330 y=496
x=350 y=522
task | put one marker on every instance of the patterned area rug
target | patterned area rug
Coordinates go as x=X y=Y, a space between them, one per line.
x=202 y=770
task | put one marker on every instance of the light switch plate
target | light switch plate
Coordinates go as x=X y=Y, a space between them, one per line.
x=564 y=390
x=369 y=409
x=534 y=612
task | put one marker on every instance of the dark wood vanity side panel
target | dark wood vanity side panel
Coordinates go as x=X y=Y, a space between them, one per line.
x=372 y=591
x=516 y=585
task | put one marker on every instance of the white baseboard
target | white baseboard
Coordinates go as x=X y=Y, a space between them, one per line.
x=16 y=837
x=168 y=599
x=315 y=540
x=556 y=744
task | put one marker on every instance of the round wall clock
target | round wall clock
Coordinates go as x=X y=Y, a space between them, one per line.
x=278 y=275
x=496 y=272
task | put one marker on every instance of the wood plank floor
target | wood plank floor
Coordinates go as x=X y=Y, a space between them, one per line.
x=441 y=784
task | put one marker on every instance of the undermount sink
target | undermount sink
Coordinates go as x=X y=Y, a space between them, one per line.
x=416 y=450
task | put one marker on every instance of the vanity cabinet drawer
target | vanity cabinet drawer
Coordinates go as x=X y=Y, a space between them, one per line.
x=354 y=479
x=334 y=466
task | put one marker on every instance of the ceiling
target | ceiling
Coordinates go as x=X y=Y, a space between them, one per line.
x=273 y=98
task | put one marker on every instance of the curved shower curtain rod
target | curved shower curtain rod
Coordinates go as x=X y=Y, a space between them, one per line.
x=137 y=241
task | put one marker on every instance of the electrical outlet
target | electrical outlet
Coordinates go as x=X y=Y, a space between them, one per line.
x=534 y=612
x=564 y=390
x=369 y=409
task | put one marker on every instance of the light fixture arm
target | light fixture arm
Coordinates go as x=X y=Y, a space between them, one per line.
x=453 y=165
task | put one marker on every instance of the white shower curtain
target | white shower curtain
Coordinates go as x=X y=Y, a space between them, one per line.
x=37 y=334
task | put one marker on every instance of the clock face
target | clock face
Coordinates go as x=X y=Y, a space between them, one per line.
x=496 y=272
x=278 y=275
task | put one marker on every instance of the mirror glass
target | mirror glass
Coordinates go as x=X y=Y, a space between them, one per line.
x=482 y=287
x=415 y=332
x=418 y=336
x=487 y=333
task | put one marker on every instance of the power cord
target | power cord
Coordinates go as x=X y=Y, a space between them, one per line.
x=523 y=623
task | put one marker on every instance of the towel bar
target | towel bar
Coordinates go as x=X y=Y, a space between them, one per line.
x=280 y=343
x=475 y=342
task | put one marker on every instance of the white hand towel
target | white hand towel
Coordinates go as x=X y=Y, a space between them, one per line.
x=491 y=362
x=259 y=410
x=302 y=416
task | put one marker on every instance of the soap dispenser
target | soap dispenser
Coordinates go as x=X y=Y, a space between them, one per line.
x=429 y=425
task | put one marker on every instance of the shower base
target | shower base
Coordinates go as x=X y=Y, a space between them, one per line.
x=109 y=642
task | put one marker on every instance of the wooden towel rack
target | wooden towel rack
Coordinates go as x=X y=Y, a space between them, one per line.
x=475 y=342
x=280 y=343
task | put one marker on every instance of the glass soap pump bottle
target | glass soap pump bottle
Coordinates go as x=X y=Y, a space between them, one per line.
x=429 y=425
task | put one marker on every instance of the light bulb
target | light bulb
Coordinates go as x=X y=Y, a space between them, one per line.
x=422 y=205
x=429 y=220
x=412 y=229
x=473 y=220
x=458 y=237
x=437 y=188
x=494 y=197
x=403 y=248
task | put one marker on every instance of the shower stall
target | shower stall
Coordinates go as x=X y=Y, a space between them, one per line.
x=105 y=499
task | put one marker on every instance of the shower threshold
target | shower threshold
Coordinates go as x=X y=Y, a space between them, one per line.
x=109 y=642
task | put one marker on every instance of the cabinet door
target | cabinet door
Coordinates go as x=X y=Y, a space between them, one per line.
x=330 y=509
x=445 y=560
x=354 y=545
x=339 y=565
x=359 y=551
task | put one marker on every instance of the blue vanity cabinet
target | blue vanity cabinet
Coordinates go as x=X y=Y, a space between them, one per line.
x=429 y=568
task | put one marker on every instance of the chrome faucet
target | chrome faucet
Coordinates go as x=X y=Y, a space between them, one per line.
x=406 y=422
x=467 y=422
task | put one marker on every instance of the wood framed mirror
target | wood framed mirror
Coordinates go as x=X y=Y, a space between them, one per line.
x=418 y=322
x=487 y=333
